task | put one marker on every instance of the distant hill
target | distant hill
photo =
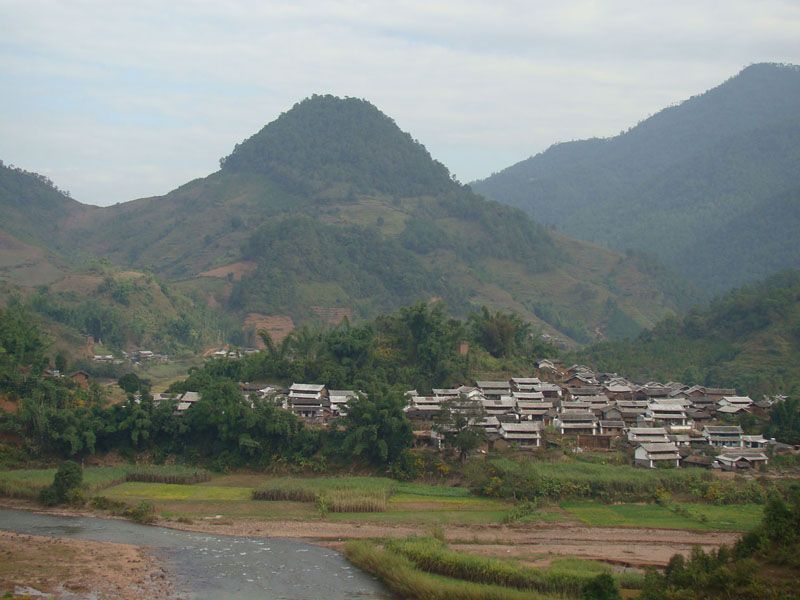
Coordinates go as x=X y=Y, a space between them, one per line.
x=709 y=186
x=749 y=338
x=331 y=211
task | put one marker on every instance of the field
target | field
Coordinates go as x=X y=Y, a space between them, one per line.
x=27 y=483
x=741 y=517
x=427 y=568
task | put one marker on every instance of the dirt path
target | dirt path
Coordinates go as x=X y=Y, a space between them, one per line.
x=629 y=546
x=79 y=568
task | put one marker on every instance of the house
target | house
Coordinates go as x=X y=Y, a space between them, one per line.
x=309 y=400
x=723 y=436
x=499 y=406
x=81 y=379
x=742 y=403
x=642 y=435
x=652 y=455
x=578 y=393
x=618 y=391
x=631 y=410
x=423 y=408
x=524 y=384
x=741 y=459
x=529 y=410
x=718 y=393
x=576 y=422
x=613 y=428
x=527 y=434
x=494 y=389
x=698 y=460
x=339 y=400
x=577 y=380
x=549 y=390
x=754 y=441
x=672 y=415
x=185 y=402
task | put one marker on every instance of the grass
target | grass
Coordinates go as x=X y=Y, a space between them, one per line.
x=159 y=492
x=27 y=483
x=739 y=517
x=403 y=578
x=331 y=494
x=557 y=480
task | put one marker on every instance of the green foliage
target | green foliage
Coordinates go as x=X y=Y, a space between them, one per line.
x=66 y=486
x=459 y=422
x=376 y=428
x=331 y=494
x=739 y=572
x=680 y=182
x=501 y=334
x=744 y=339
x=601 y=587
x=560 y=480
x=324 y=141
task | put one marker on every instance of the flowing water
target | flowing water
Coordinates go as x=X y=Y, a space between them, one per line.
x=219 y=566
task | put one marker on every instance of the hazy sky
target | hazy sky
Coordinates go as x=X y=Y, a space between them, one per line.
x=118 y=100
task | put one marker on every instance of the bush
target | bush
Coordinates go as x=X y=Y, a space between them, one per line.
x=601 y=587
x=66 y=486
x=144 y=513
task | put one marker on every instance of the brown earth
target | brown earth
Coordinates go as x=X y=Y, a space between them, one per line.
x=629 y=546
x=278 y=326
x=79 y=568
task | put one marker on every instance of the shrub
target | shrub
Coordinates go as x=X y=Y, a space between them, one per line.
x=144 y=513
x=601 y=587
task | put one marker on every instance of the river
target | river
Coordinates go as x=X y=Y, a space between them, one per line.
x=209 y=566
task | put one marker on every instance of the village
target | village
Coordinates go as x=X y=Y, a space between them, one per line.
x=658 y=425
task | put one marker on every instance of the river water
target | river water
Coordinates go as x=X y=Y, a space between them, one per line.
x=209 y=566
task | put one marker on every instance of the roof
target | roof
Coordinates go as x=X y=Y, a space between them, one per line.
x=523 y=427
x=612 y=423
x=647 y=431
x=576 y=416
x=526 y=380
x=657 y=448
x=737 y=399
x=307 y=387
x=493 y=385
x=723 y=429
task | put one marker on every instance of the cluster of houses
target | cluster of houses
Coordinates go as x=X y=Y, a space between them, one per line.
x=136 y=357
x=662 y=424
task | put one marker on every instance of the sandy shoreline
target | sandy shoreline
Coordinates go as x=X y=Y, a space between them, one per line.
x=80 y=568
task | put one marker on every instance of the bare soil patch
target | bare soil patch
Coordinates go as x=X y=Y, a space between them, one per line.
x=80 y=568
x=278 y=326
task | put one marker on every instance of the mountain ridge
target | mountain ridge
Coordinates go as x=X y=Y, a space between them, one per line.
x=340 y=219
x=718 y=154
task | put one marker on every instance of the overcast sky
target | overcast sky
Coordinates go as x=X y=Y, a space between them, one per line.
x=115 y=101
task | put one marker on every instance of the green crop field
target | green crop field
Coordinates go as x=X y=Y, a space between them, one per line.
x=739 y=517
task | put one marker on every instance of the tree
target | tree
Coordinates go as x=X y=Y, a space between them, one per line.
x=602 y=587
x=501 y=334
x=377 y=428
x=66 y=484
x=132 y=384
x=60 y=362
x=459 y=422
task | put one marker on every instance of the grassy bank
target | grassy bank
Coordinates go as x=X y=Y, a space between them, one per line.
x=331 y=494
x=432 y=556
x=404 y=579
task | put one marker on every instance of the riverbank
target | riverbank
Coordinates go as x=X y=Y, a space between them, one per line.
x=33 y=564
x=630 y=546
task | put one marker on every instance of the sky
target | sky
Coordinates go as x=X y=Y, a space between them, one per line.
x=120 y=100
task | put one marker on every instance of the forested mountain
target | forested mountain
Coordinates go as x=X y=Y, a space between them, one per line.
x=331 y=210
x=709 y=186
x=748 y=338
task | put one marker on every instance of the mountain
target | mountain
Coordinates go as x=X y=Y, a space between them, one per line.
x=748 y=338
x=332 y=211
x=705 y=186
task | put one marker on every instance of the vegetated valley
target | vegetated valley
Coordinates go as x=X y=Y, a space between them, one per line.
x=330 y=339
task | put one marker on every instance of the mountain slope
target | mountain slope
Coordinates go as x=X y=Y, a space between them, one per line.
x=331 y=210
x=663 y=185
x=749 y=338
